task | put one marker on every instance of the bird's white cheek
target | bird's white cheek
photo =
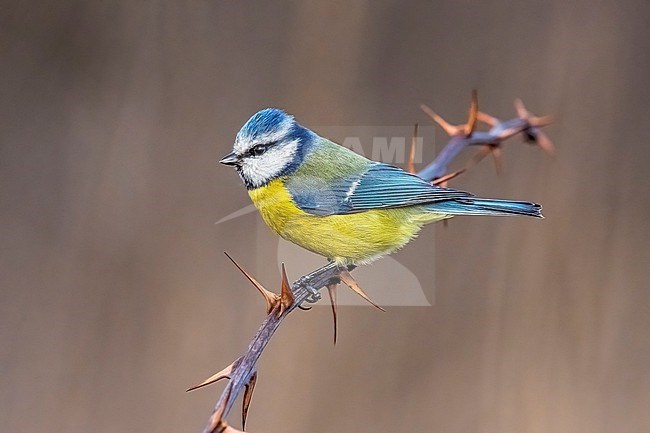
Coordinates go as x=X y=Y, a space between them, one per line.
x=257 y=172
x=261 y=170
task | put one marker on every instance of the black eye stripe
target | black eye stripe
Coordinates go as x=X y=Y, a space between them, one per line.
x=259 y=149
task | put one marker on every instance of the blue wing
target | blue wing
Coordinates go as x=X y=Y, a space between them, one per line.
x=382 y=186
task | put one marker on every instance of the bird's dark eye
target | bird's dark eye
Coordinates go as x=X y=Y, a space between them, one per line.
x=258 y=149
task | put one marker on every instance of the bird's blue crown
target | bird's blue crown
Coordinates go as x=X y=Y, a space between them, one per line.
x=264 y=122
x=274 y=124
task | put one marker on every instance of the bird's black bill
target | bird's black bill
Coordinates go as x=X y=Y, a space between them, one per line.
x=230 y=159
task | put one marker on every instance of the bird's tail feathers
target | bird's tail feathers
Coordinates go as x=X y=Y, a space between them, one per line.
x=487 y=206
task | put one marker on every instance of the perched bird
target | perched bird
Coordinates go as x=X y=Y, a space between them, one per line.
x=336 y=203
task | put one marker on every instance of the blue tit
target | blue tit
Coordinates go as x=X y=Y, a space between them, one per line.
x=336 y=203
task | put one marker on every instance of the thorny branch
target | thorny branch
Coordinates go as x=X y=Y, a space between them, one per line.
x=242 y=373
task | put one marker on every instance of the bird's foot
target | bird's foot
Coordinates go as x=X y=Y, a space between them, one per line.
x=306 y=283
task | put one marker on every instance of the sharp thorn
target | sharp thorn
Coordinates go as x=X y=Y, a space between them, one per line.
x=442 y=181
x=540 y=121
x=225 y=428
x=545 y=144
x=223 y=374
x=473 y=114
x=410 y=165
x=331 y=290
x=428 y=111
x=487 y=119
x=521 y=109
x=448 y=128
x=286 y=298
x=498 y=161
x=246 y=401
x=478 y=157
x=269 y=297
x=346 y=277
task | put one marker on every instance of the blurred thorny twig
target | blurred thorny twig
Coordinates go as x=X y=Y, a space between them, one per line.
x=242 y=373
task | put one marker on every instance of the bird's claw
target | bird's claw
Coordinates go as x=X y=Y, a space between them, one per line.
x=305 y=283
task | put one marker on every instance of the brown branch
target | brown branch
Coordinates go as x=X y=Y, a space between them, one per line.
x=245 y=369
x=463 y=136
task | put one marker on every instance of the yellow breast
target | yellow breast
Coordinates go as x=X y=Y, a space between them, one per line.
x=349 y=239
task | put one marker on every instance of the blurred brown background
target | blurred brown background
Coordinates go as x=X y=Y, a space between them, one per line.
x=115 y=295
